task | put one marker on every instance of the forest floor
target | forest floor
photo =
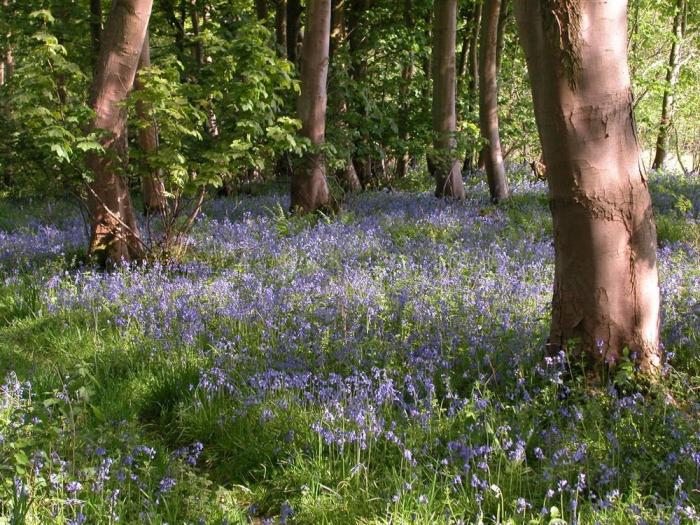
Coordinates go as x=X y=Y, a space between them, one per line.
x=381 y=366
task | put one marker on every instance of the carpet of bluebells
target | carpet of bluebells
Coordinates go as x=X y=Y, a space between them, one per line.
x=384 y=365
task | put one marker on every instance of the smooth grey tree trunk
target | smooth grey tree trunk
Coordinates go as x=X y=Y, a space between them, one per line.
x=445 y=167
x=309 y=189
x=114 y=231
x=488 y=101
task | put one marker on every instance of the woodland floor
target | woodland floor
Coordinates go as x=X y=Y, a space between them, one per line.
x=381 y=366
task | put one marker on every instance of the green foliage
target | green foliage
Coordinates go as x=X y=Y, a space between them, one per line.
x=47 y=117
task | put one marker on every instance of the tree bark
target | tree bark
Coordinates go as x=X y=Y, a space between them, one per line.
x=294 y=11
x=673 y=73
x=445 y=167
x=309 y=189
x=114 y=231
x=606 y=293
x=152 y=186
x=488 y=101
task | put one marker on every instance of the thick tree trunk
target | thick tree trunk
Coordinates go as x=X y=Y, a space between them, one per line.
x=96 y=24
x=488 y=101
x=114 y=231
x=606 y=293
x=294 y=11
x=281 y=27
x=309 y=189
x=154 y=200
x=445 y=167
x=673 y=73
x=473 y=72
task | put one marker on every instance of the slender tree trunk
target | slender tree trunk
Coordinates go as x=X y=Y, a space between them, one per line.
x=473 y=71
x=606 y=292
x=406 y=79
x=114 y=232
x=673 y=73
x=488 y=101
x=261 y=9
x=294 y=11
x=503 y=16
x=281 y=27
x=358 y=71
x=177 y=23
x=152 y=183
x=309 y=189
x=347 y=174
x=96 y=24
x=195 y=18
x=445 y=167
x=463 y=54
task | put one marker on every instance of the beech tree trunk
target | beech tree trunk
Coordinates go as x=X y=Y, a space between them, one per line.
x=444 y=165
x=606 y=292
x=488 y=101
x=309 y=190
x=114 y=231
x=154 y=200
x=673 y=73
x=294 y=11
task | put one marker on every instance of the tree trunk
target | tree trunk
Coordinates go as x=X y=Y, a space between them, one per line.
x=261 y=9
x=404 y=159
x=444 y=165
x=114 y=232
x=347 y=174
x=358 y=72
x=178 y=24
x=281 y=27
x=96 y=24
x=195 y=18
x=294 y=11
x=309 y=189
x=673 y=73
x=488 y=101
x=473 y=71
x=606 y=292
x=154 y=200
x=463 y=53
x=503 y=16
